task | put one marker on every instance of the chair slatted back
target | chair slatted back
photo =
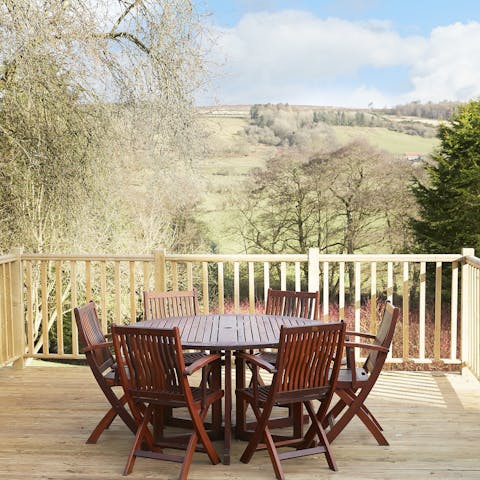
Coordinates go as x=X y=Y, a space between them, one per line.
x=154 y=360
x=170 y=304
x=90 y=334
x=293 y=304
x=308 y=359
x=383 y=338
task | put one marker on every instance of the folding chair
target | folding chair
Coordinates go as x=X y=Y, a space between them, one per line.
x=293 y=304
x=178 y=303
x=355 y=383
x=158 y=379
x=307 y=366
x=103 y=366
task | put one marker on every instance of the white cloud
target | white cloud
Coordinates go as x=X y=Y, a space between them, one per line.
x=450 y=65
x=293 y=56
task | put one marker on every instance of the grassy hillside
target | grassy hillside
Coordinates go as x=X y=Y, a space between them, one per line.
x=231 y=156
x=393 y=142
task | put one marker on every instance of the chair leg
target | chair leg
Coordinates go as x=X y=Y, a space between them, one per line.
x=138 y=440
x=103 y=424
x=322 y=436
x=187 y=459
x=272 y=452
x=297 y=419
x=116 y=409
x=198 y=419
x=355 y=407
x=255 y=439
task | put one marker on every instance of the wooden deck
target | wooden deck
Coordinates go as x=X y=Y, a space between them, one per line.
x=431 y=420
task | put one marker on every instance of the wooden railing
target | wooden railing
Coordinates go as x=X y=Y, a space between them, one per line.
x=353 y=288
x=471 y=313
x=12 y=338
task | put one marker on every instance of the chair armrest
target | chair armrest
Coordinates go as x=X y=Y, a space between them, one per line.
x=201 y=363
x=350 y=333
x=255 y=360
x=367 y=346
x=98 y=346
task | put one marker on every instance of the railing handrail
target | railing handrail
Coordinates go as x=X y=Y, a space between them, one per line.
x=473 y=261
x=259 y=257
x=7 y=258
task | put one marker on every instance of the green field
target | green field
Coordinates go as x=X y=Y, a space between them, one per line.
x=393 y=142
x=231 y=157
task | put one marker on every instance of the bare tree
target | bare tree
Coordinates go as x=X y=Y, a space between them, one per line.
x=89 y=89
x=283 y=208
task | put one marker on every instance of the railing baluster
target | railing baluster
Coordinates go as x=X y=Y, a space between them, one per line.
x=423 y=281
x=133 y=296
x=358 y=294
x=405 y=310
x=283 y=275
x=3 y=315
x=29 y=301
x=390 y=282
x=116 y=267
x=205 y=290
x=73 y=293
x=59 y=307
x=8 y=311
x=44 y=303
x=236 y=286
x=454 y=313
x=266 y=279
x=103 y=295
x=373 y=297
x=88 y=281
x=438 y=310
x=326 y=292
x=298 y=277
x=146 y=277
x=221 y=291
x=341 y=291
x=251 y=288
x=174 y=276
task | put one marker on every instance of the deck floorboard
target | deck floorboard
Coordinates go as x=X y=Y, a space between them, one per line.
x=47 y=412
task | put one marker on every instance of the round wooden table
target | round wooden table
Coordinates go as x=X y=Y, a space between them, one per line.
x=227 y=333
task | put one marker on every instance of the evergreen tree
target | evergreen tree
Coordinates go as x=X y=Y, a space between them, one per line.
x=450 y=203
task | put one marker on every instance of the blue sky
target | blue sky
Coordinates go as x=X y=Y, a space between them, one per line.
x=344 y=52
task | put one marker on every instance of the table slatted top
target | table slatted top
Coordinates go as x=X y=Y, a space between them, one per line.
x=228 y=331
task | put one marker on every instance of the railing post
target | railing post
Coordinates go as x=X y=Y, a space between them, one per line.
x=313 y=269
x=160 y=270
x=467 y=321
x=18 y=320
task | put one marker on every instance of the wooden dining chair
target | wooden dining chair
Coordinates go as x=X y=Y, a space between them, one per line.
x=355 y=383
x=307 y=367
x=292 y=304
x=178 y=303
x=103 y=366
x=158 y=378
